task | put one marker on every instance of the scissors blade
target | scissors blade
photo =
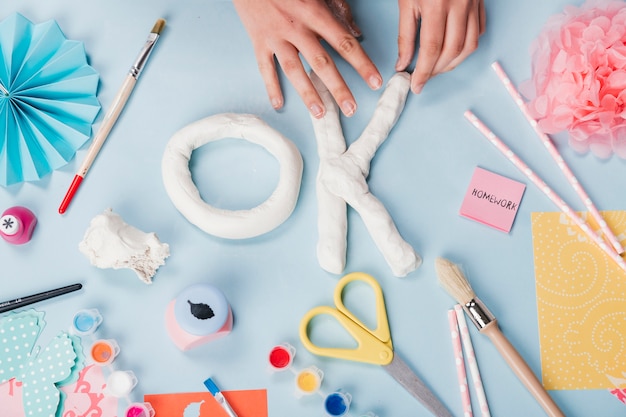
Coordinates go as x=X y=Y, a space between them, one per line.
x=401 y=372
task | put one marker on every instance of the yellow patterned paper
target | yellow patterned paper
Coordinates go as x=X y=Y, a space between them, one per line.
x=581 y=304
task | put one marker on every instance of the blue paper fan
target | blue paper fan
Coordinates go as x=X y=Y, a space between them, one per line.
x=47 y=99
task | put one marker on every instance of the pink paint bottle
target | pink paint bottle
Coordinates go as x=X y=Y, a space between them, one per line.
x=139 y=410
x=17 y=225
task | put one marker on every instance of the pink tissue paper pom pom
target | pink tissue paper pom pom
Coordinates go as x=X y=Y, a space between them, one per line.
x=578 y=80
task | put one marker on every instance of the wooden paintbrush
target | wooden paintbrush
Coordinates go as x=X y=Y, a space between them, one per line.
x=113 y=113
x=454 y=282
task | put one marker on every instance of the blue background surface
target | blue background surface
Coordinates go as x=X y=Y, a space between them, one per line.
x=203 y=65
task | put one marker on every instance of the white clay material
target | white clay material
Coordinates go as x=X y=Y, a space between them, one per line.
x=342 y=178
x=231 y=224
x=111 y=243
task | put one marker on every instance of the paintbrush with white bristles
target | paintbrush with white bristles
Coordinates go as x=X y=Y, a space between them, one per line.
x=454 y=282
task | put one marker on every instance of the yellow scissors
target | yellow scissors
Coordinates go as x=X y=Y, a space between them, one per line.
x=373 y=345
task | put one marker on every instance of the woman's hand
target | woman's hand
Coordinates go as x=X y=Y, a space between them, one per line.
x=286 y=29
x=448 y=33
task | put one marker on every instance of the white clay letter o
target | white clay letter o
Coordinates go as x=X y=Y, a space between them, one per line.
x=231 y=224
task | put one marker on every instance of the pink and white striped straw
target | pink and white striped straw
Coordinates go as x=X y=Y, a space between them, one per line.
x=554 y=153
x=459 y=362
x=562 y=205
x=471 y=359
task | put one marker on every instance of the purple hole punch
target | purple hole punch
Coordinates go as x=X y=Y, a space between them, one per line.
x=17 y=225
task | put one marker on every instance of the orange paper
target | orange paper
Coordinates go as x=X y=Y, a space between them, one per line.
x=581 y=304
x=249 y=403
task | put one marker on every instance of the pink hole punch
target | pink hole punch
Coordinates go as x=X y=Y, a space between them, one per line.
x=17 y=225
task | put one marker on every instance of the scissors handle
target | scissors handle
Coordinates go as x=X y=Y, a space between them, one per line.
x=373 y=345
x=381 y=332
x=369 y=349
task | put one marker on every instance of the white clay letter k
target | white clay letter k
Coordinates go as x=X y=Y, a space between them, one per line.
x=342 y=179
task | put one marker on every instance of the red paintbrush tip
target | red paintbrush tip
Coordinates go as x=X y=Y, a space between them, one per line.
x=70 y=193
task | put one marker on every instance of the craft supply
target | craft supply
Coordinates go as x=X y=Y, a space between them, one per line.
x=577 y=76
x=281 y=356
x=492 y=199
x=139 y=410
x=459 y=363
x=87 y=395
x=558 y=201
x=25 y=326
x=35 y=373
x=454 y=282
x=104 y=351
x=337 y=404
x=558 y=159
x=619 y=394
x=219 y=397
x=246 y=402
x=45 y=372
x=342 y=181
x=121 y=383
x=113 y=113
x=231 y=224
x=35 y=298
x=109 y=242
x=374 y=346
x=48 y=102
x=198 y=315
x=309 y=380
x=86 y=322
x=473 y=364
x=17 y=225
x=572 y=275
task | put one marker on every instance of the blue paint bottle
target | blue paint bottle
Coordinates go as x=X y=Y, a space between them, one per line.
x=86 y=322
x=337 y=404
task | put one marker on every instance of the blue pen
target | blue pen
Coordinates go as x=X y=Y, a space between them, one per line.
x=219 y=397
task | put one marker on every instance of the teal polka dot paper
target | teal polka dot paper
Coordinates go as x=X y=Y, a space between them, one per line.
x=18 y=335
x=52 y=366
x=40 y=371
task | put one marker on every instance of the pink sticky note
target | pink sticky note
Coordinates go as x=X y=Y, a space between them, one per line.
x=492 y=199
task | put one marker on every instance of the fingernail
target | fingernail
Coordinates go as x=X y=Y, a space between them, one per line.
x=316 y=110
x=277 y=103
x=348 y=108
x=400 y=65
x=417 y=88
x=375 y=82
